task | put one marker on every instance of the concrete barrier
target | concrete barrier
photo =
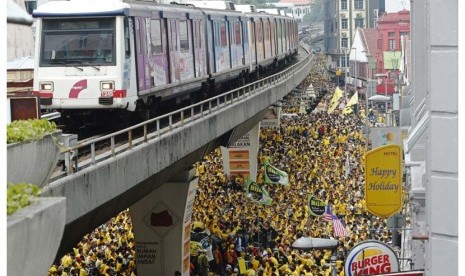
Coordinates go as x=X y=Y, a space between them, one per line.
x=34 y=161
x=34 y=234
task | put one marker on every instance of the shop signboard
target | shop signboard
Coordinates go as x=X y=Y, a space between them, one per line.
x=371 y=258
x=383 y=180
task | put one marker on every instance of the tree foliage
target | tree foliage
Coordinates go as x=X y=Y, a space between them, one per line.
x=29 y=130
x=20 y=195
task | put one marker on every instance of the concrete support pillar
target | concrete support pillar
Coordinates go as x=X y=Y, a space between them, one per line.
x=161 y=224
x=241 y=157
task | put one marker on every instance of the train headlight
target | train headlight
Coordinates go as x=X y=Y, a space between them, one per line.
x=107 y=85
x=46 y=86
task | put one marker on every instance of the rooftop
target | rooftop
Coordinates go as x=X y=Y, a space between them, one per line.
x=23 y=63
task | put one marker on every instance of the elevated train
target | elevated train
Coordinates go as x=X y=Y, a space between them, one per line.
x=134 y=55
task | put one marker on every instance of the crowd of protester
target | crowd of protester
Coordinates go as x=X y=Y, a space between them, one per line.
x=312 y=149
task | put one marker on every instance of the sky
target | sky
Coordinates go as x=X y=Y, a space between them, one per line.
x=397 y=5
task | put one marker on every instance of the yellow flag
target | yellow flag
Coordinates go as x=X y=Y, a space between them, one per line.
x=352 y=101
x=335 y=100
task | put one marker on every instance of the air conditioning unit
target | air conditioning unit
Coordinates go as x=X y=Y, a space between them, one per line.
x=344 y=34
x=359 y=14
x=343 y=15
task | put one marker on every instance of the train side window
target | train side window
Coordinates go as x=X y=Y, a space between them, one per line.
x=258 y=26
x=156 y=31
x=266 y=27
x=183 y=36
x=127 y=44
x=237 y=28
x=224 y=39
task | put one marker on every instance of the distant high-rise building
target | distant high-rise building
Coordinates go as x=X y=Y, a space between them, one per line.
x=342 y=17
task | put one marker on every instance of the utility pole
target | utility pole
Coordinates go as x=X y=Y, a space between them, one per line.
x=346 y=69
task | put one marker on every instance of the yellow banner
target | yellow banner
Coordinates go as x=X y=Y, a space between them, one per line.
x=352 y=101
x=335 y=100
x=383 y=180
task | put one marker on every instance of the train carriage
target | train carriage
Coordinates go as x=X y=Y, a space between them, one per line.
x=227 y=44
x=132 y=55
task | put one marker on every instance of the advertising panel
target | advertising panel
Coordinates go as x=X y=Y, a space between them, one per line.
x=383 y=180
x=381 y=136
x=371 y=258
x=316 y=206
x=241 y=157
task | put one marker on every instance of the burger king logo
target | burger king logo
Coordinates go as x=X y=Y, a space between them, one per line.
x=371 y=258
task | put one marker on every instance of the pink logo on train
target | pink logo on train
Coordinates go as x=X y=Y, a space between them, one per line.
x=77 y=88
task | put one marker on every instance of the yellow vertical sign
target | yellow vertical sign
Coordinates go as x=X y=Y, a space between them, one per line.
x=383 y=180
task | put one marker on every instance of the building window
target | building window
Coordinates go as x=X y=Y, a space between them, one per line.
x=344 y=24
x=379 y=43
x=358 y=4
x=345 y=42
x=343 y=60
x=343 y=4
x=392 y=44
x=403 y=34
x=359 y=23
x=392 y=34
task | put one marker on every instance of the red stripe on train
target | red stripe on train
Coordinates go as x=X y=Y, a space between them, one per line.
x=119 y=94
x=42 y=94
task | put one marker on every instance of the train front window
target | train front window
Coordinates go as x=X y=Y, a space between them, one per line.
x=88 y=41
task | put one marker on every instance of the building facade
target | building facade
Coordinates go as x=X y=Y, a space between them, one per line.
x=391 y=28
x=342 y=18
x=297 y=8
x=20 y=39
x=430 y=108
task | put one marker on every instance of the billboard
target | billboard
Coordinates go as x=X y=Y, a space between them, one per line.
x=371 y=258
x=383 y=180
x=381 y=136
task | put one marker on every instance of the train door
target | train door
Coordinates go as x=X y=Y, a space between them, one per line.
x=186 y=55
x=173 y=49
x=259 y=35
x=273 y=37
x=159 y=52
x=222 y=54
x=280 y=36
x=285 y=36
x=253 y=42
x=245 y=42
x=143 y=72
x=199 y=52
x=267 y=38
x=237 y=54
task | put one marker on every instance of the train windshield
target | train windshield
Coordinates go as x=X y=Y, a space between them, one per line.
x=88 y=41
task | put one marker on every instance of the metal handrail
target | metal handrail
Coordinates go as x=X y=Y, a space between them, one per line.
x=214 y=104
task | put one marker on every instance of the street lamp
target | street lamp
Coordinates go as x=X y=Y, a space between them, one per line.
x=355 y=69
x=345 y=50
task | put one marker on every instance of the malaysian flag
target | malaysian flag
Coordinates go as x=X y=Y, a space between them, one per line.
x=328 y=214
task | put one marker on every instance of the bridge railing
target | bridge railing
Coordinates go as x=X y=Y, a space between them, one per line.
x=157 y=127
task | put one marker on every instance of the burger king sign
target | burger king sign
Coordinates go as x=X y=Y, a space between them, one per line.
x=371 y=258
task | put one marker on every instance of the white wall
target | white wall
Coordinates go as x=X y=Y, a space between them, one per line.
x=20 y=39
x=435 y=130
